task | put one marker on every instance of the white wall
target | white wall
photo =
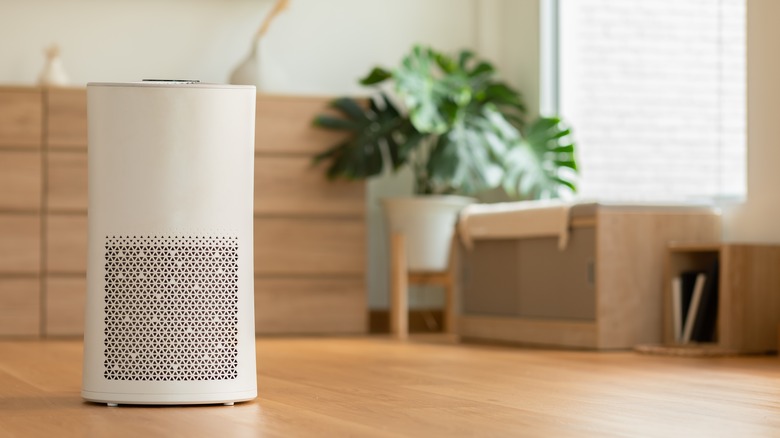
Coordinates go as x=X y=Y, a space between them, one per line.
x=316 y=46
x=758 y=220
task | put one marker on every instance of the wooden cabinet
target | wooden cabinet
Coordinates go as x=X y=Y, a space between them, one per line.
x=748 y=293
x=604 y=291
x=309 y=232
x=65 y=218
x=21 y=201
x=310 y=244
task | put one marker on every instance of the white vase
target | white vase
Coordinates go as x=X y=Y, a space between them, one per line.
x=248 y=71
x=428 y=223
x=53 y=73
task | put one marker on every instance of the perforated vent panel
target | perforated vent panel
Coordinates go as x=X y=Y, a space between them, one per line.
x=171 y=308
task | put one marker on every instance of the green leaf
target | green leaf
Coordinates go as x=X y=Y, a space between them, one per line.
x=445 y=63
x=464 y=57
x=469 y=158
x=376 y=76
x=483 y=68
x=422 y=91
x=533 y=165
x=569 y=148
x=336 y=123
x=372 y=135
x=349 y=107
x=461 y=130
x=571 y=164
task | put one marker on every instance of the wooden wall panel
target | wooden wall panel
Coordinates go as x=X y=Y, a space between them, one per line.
x=66 y=246
x=67 y=182
x=310 y=305
x=284 y=125
x=20 y=243
x=20 y=309
x=67 y=118
x=21 y=115
x=20 y=180
x=309 y=246
x=290 y=185
x=65 y=297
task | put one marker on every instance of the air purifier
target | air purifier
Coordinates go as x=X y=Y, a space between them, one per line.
x=169 y=312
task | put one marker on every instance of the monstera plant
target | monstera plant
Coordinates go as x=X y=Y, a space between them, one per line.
x=459 y=128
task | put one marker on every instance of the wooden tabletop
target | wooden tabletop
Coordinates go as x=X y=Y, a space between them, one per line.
x=379 y=387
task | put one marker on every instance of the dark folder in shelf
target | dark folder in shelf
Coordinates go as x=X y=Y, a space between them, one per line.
x=687 y=283
x=707 y=315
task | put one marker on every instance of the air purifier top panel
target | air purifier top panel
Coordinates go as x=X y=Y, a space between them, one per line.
x=169 y=83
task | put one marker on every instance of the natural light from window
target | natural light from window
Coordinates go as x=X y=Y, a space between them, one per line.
x=655 y=91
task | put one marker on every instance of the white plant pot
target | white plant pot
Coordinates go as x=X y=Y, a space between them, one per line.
x=427 y=222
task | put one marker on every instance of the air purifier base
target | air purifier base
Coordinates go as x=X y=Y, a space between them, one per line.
x=113 y=399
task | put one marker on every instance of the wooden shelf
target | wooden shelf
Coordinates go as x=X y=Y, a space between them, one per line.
x=748 y=293
x=694 y=246
x=603 y=292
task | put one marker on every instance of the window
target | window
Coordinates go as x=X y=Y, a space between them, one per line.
x=655 y=92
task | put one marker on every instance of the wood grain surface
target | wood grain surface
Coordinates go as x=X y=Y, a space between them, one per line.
x=20 y=180
x=66 y=246
x=66 y=185
x=20 y=240
x=376 y=387
x=310 y=305
x=291 y=185
x=19 y=314
x=67 y=118
x=630 y=251
x=309 y=246
x=65 y=297
x=284 y=125
x=20 y=117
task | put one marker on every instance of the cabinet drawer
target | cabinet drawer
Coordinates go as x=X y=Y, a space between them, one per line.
x=65 y=297
x=309 y=246
x=66 y=250
x=310 y=305
x=284 y=124
x=289 y=185
x=20 y=117
x=20 y=180
x=20 y=244
x=67 y=118
x=19 y=306
x=67 y=181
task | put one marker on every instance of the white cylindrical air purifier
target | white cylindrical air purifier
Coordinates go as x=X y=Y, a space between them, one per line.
x=169 y=312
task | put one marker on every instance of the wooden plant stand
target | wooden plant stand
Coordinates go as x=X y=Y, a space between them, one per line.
x=401 y=277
